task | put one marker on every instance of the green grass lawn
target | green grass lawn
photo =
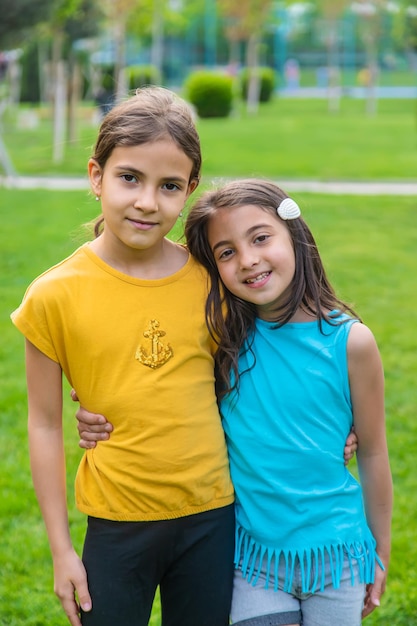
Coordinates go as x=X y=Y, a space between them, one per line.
x=369 y=247
x=289 y=138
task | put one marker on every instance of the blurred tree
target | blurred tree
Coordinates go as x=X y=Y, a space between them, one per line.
x=410 y=12
x=159 y=24
x=65 y=20
x=81 y=24
x=405 y=26
x=118 y=14
x=245 y=21
x=17 y=16
x=83 y=21
x=332 y=11
x=156 y=21
x=327 y=15
x=370 y=15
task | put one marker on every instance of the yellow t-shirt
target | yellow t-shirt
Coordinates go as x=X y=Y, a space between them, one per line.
x=139 y=352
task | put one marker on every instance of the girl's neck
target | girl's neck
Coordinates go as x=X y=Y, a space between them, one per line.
x=144 y=264
x=300 y=316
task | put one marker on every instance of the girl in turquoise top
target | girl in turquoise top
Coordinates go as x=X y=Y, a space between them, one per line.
x=94 y=427
x=296 y=369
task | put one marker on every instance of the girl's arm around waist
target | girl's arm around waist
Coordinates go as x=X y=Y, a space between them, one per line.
x=44 y=383
x=366 y=379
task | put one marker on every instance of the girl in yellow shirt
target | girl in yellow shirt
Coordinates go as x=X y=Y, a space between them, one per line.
x=123 y=319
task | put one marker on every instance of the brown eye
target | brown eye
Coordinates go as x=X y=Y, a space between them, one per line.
x=225 y=254
x=129 y=178
x=171 y=186
x=261 y=238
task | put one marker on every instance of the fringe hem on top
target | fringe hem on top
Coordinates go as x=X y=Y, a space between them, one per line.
x=252 y=557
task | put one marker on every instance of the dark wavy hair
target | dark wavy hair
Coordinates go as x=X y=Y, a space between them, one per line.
x=231 y=321
x=152 y=113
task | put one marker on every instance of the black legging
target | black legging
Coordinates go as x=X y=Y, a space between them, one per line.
x=190 y=558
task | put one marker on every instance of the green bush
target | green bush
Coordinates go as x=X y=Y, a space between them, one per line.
x=267 y=77
x=107 y=78
x=140 y=75
x=211 y=94
x=30 y=89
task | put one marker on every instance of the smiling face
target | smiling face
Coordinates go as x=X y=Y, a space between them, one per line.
x=254 y=255
x=143 y=189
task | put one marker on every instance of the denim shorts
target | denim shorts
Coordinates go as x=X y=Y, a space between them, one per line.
x=253 y=605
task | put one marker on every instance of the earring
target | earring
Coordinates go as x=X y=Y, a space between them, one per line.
x=97 y=198
x=181 y=214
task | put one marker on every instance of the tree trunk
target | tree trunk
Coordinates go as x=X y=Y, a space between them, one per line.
x=333 y=69
x=254 y=85
x=157 y=50
x=119 y=74
x=42 y=65
x=5 y=160
x=371 y=97
x=74 y=98
x=59 y=97
x=59 y=112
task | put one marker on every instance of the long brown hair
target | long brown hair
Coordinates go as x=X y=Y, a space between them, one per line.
x=231 y=321
x=152 y=113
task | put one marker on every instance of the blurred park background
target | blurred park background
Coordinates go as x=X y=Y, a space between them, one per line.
x=294 y=91
x=57 y=56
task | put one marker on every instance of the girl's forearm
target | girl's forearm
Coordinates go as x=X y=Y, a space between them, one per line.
x=44 y=381
x=49 y=480
x=377 y=486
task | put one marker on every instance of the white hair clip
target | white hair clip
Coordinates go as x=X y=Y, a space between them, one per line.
x=288 y=209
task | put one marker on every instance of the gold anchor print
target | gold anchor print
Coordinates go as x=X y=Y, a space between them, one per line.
x=160 y=353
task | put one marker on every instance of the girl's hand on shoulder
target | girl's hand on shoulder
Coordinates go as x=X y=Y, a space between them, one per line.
x=374 y=592
x=70 y=583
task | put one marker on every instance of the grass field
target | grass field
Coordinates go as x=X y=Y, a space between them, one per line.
x=369 y=247
x=368 y=244
x=289 y=138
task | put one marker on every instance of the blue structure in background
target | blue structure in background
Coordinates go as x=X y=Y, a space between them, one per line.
x=210 y=34
x=280 y=39
x=204 y=44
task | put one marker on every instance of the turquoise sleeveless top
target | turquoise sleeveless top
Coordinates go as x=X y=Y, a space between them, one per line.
x=286 y=429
